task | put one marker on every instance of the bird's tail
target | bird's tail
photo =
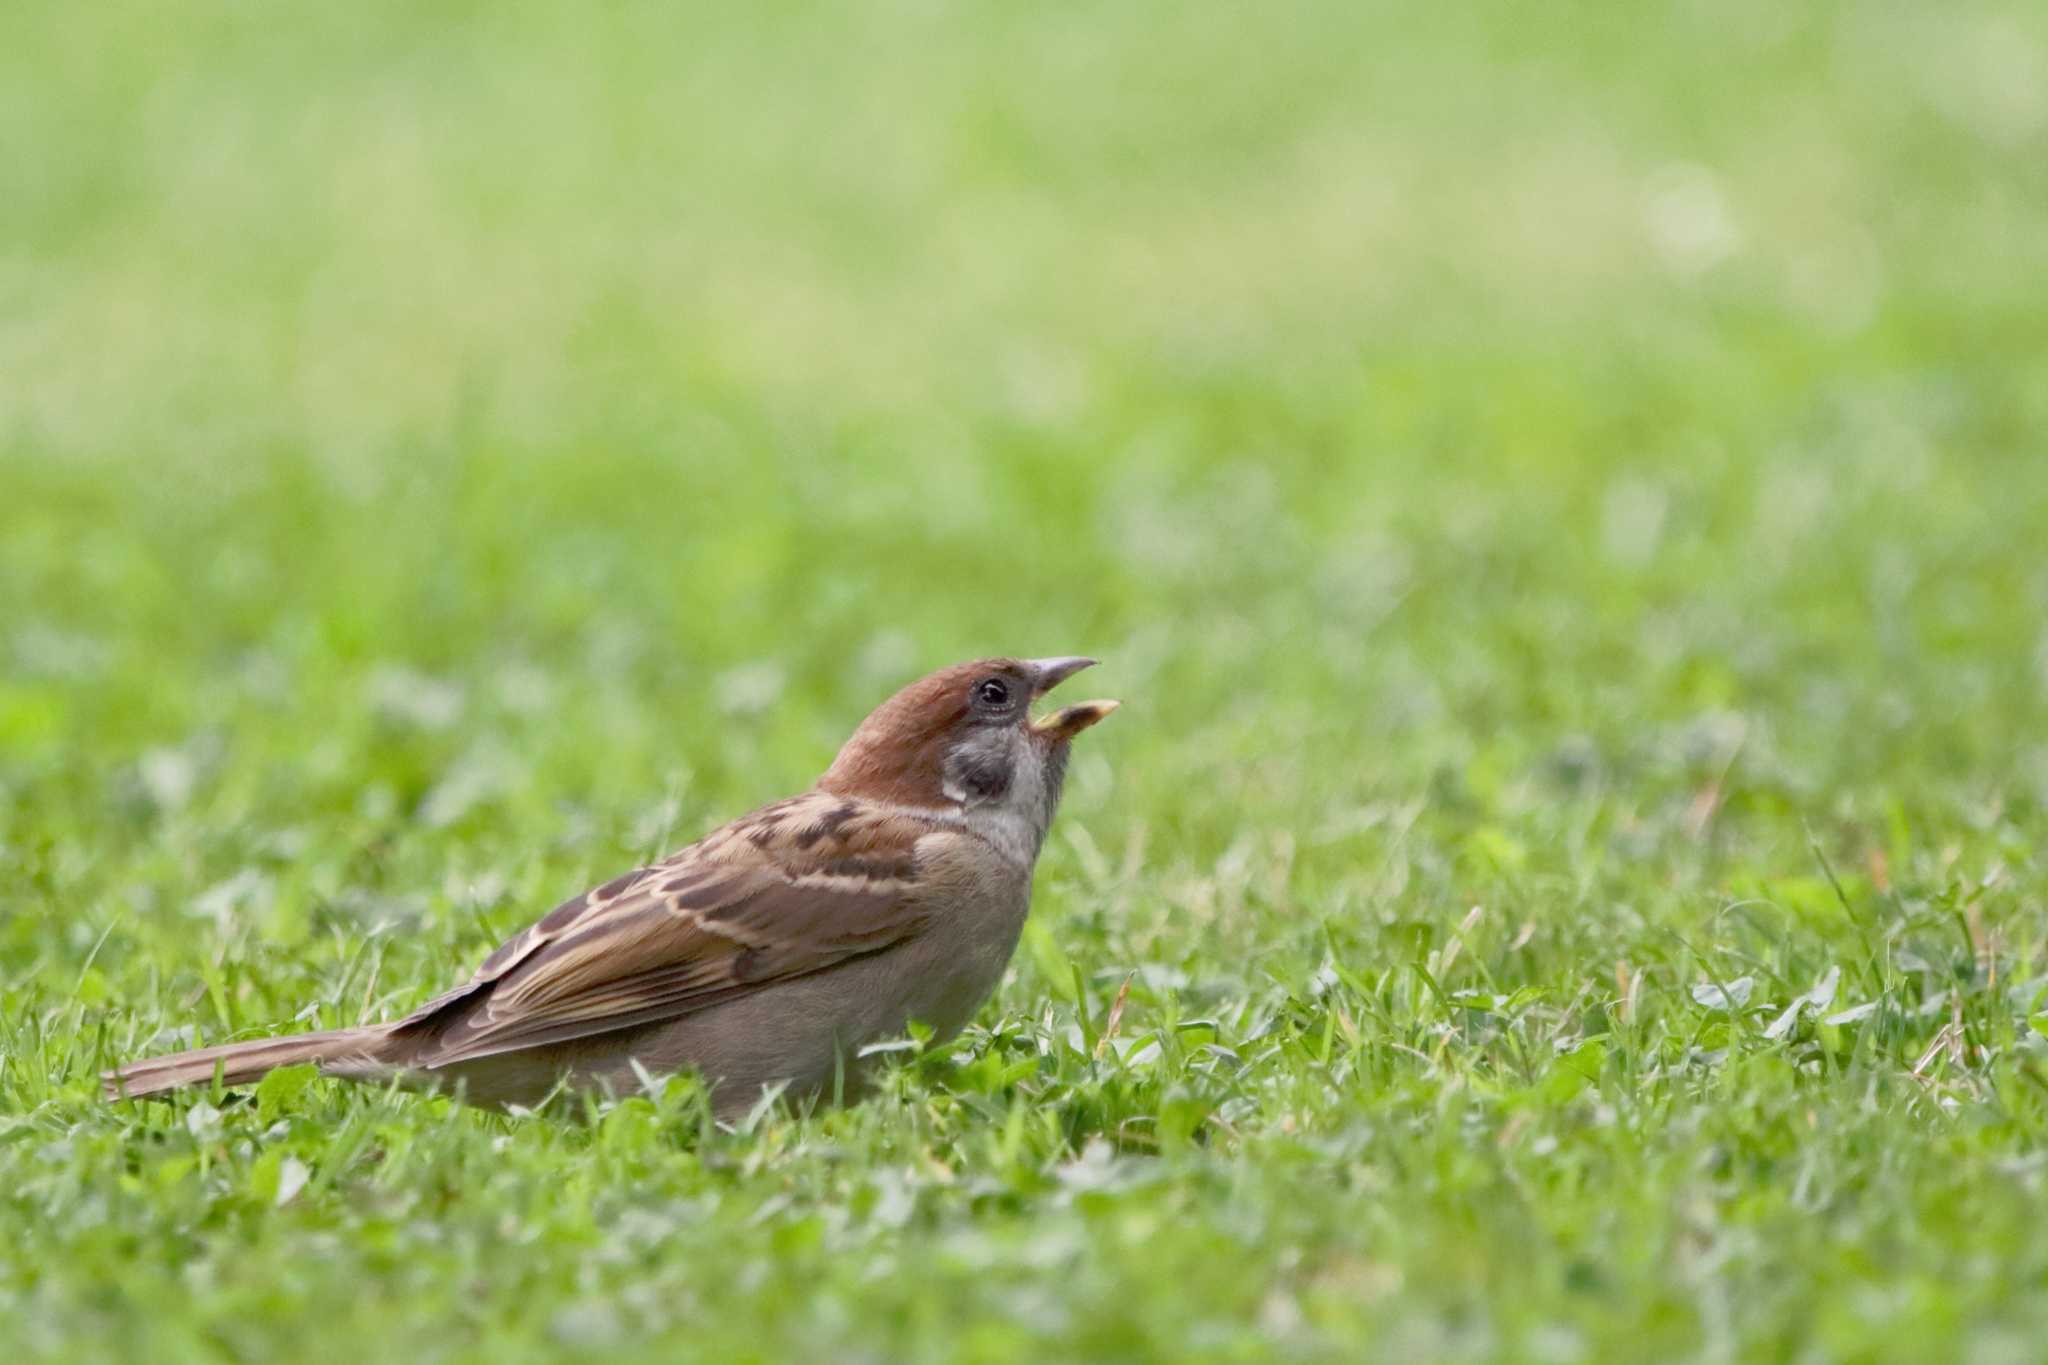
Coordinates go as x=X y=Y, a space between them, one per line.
x=239 y=1063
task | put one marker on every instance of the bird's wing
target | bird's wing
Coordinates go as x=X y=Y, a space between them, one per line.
x=792 y=889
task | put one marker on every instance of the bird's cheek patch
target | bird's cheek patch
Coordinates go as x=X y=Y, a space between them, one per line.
x=977 y=777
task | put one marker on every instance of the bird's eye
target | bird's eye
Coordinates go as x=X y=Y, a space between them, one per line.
x=992 y=692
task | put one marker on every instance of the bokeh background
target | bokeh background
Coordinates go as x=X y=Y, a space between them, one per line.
x=1583 y=463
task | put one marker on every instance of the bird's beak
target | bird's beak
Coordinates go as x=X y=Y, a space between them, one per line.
x=1068 y=721
x=1046 y=674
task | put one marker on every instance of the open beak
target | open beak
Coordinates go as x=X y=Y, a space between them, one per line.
x=1068 y=721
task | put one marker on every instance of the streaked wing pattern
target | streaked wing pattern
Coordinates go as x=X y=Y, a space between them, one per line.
x=792 y=889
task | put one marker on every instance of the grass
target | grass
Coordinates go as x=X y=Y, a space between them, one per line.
x=1561 y=496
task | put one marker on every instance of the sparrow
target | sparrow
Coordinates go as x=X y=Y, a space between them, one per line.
x=766 y=954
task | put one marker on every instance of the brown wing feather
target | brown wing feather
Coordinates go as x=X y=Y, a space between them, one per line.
x=792 y=889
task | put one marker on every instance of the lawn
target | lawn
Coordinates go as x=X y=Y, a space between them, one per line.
x=1561 y=493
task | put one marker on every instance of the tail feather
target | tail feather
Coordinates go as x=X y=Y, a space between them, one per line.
x=240 y=1063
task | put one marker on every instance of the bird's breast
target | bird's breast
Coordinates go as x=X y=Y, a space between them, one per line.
x=978 y=899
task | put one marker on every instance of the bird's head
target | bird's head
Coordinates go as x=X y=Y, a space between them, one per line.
x=964 y=739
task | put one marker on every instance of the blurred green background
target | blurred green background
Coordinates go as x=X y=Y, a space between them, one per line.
x=1582 y=463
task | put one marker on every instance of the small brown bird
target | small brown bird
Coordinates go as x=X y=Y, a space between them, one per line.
x=770 y=951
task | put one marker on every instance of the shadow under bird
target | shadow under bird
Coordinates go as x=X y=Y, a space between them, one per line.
x=765 y=954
